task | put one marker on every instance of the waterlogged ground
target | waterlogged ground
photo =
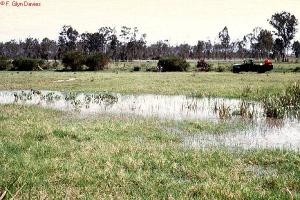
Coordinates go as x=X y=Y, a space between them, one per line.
x=111 y=146
x=147 y=105
x=255 y=130
x=49 y=154
x=250 y=85
x=262 y=135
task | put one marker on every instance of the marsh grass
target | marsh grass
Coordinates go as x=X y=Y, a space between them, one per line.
x=72 y=97
x=247 y=110
x=224 y=111
x=47 y=154
x=207 y=127
x=287 y=103
x=50 y=154
x=248 y=85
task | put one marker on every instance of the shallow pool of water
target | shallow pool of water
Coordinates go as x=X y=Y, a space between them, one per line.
x=261 y=133
x=146 y=105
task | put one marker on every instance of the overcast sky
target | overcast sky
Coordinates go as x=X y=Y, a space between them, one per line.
x=176 y=20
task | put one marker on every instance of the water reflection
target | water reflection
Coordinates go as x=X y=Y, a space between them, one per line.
x=261 y=133
x=161 y=106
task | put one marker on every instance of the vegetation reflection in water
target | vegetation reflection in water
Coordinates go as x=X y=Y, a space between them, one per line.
x=261 y=132
x=147 y=105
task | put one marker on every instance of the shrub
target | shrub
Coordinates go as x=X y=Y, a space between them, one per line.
x=27 y=64
x=171 y=64
x=97 y=61
x=136 y=68
x=5 y=63
x=74 y=60
x=297 y=69
x=203 y=66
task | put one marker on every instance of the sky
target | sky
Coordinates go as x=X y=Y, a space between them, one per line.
x=179 y=21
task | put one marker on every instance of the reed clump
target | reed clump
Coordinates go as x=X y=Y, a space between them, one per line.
x=278 y=106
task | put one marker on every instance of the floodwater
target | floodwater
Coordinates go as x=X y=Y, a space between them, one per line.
x=146 y=105
x=261 y=132
x=261 y=135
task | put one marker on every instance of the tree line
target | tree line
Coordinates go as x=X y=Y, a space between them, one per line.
x=130 y=44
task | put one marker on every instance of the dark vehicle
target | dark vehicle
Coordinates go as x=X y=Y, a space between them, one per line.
x=250 y=66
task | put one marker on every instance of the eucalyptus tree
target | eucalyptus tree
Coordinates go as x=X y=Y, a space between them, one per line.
x=278 y=49
x=183 y=51
x=296 y=48
x=225 y=41
x=208 y=49
x=12 y=49
x=252 y=38
x=48 y=49
x=67 y=40
x=241 y=49
x=284 y=24
x=91 y=42
x=198 y=50
x=159 y=49
x=31 y=48
x=265 y=43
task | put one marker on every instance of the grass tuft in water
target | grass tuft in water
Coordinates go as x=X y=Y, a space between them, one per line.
x=288 y=103
x=223 y=111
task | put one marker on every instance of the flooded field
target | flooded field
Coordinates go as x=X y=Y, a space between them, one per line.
x=260 y=135
x=147 y=105
x=262 y=132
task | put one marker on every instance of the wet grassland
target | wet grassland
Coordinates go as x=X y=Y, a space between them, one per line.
x=102 y=135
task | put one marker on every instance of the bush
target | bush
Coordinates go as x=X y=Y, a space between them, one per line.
x=27 y=64
x=297 y=69
x=5 y=63
x=136 y=69
x=74 y=60
x=171 y=64
x=97 y=61
x=203 y=66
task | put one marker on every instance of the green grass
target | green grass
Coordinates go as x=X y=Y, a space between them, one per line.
x=249 y=85
x=226 y=65
x=50 y=154
x=209 y=127
x=215 y=64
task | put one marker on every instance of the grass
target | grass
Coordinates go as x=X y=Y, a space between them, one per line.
x=199 y=127
x=216 y=65
x=62 y=156
x=288 y=102
x=52 y=154
x=248 y=85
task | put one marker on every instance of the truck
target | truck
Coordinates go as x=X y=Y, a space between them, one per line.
x=250 y=66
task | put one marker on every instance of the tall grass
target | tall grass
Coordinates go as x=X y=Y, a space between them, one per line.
x=278 y=106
